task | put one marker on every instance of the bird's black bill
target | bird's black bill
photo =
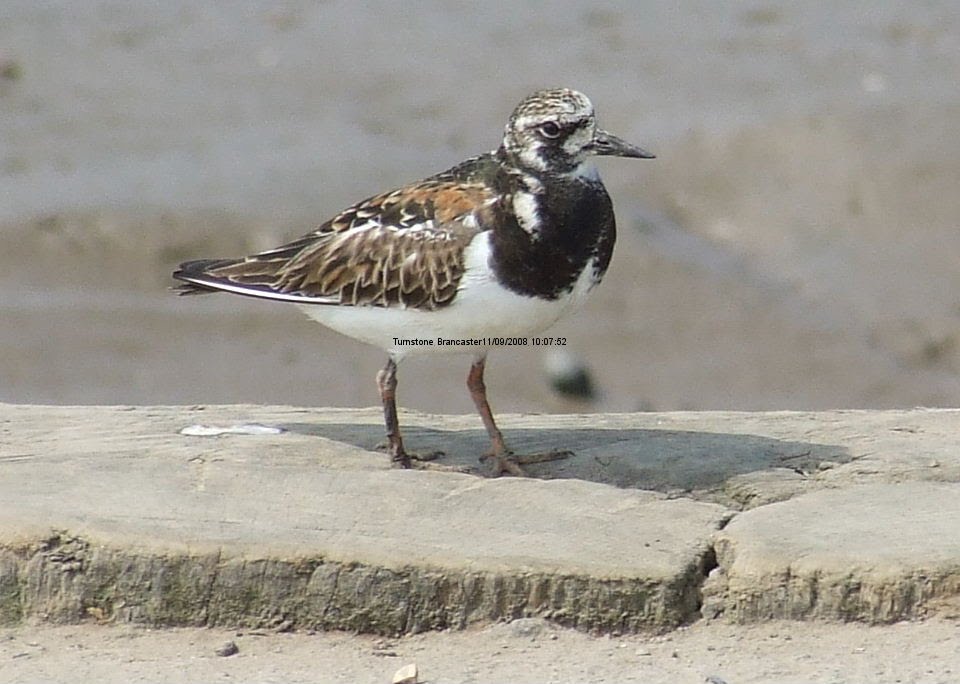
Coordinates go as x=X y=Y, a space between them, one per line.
x=608 y=145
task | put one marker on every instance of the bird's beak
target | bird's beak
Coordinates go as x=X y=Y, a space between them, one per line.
x=608 y=145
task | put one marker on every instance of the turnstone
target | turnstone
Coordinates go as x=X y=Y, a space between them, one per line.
x=499 y=246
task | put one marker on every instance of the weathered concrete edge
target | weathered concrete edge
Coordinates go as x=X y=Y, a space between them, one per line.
x=67 y=579
x=856 y=594
x=907 y=568
x=850 y=596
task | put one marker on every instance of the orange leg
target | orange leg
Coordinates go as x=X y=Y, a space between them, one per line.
x=502 y=461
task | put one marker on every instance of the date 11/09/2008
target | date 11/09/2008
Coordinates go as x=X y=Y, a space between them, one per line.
x=480 y=342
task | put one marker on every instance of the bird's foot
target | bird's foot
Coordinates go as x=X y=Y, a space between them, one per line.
x=424 y=461
x=508 y=463
x=443 y=467
x=401 y=458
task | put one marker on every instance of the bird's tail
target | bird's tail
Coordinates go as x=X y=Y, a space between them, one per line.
x=194 y=273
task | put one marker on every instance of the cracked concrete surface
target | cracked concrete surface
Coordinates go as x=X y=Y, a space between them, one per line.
x=109 y=513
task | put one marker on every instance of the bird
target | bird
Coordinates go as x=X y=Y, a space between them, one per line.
x=500 y=246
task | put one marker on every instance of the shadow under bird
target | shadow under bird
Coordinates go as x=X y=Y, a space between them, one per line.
x=501 y=245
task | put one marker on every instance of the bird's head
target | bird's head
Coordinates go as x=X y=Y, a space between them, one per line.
x=555 y=131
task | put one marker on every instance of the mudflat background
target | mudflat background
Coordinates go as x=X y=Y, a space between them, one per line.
x=793 y=246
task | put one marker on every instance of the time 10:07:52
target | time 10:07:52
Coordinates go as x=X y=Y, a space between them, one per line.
x=548 y=341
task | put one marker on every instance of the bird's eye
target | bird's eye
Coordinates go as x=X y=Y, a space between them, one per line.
x=551 y=130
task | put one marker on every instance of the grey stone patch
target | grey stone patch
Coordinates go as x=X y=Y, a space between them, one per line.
x=529 y=628
x=227 y=649
x=876 y=553
x=693 y=454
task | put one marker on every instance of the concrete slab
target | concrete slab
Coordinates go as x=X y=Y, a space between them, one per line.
x=109 y=512
x=112 y=513
x=875 y=552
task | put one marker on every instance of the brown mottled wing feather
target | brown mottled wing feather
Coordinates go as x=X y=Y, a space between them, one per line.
x=402 y=248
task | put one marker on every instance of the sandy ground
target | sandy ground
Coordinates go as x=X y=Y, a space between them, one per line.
x=522 y=651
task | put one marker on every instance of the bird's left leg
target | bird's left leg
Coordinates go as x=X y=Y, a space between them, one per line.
x=504 y=460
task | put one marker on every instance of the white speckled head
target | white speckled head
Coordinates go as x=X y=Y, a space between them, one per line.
x=553 y=131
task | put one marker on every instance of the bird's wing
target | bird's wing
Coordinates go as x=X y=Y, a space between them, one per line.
x=402 y=248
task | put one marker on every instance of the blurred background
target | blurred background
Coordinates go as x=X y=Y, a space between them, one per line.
x=794 y=245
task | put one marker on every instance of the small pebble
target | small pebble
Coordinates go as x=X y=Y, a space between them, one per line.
x=406 y=675
x=228 y=649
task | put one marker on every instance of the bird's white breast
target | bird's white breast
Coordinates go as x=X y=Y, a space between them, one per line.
x=482 y=308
